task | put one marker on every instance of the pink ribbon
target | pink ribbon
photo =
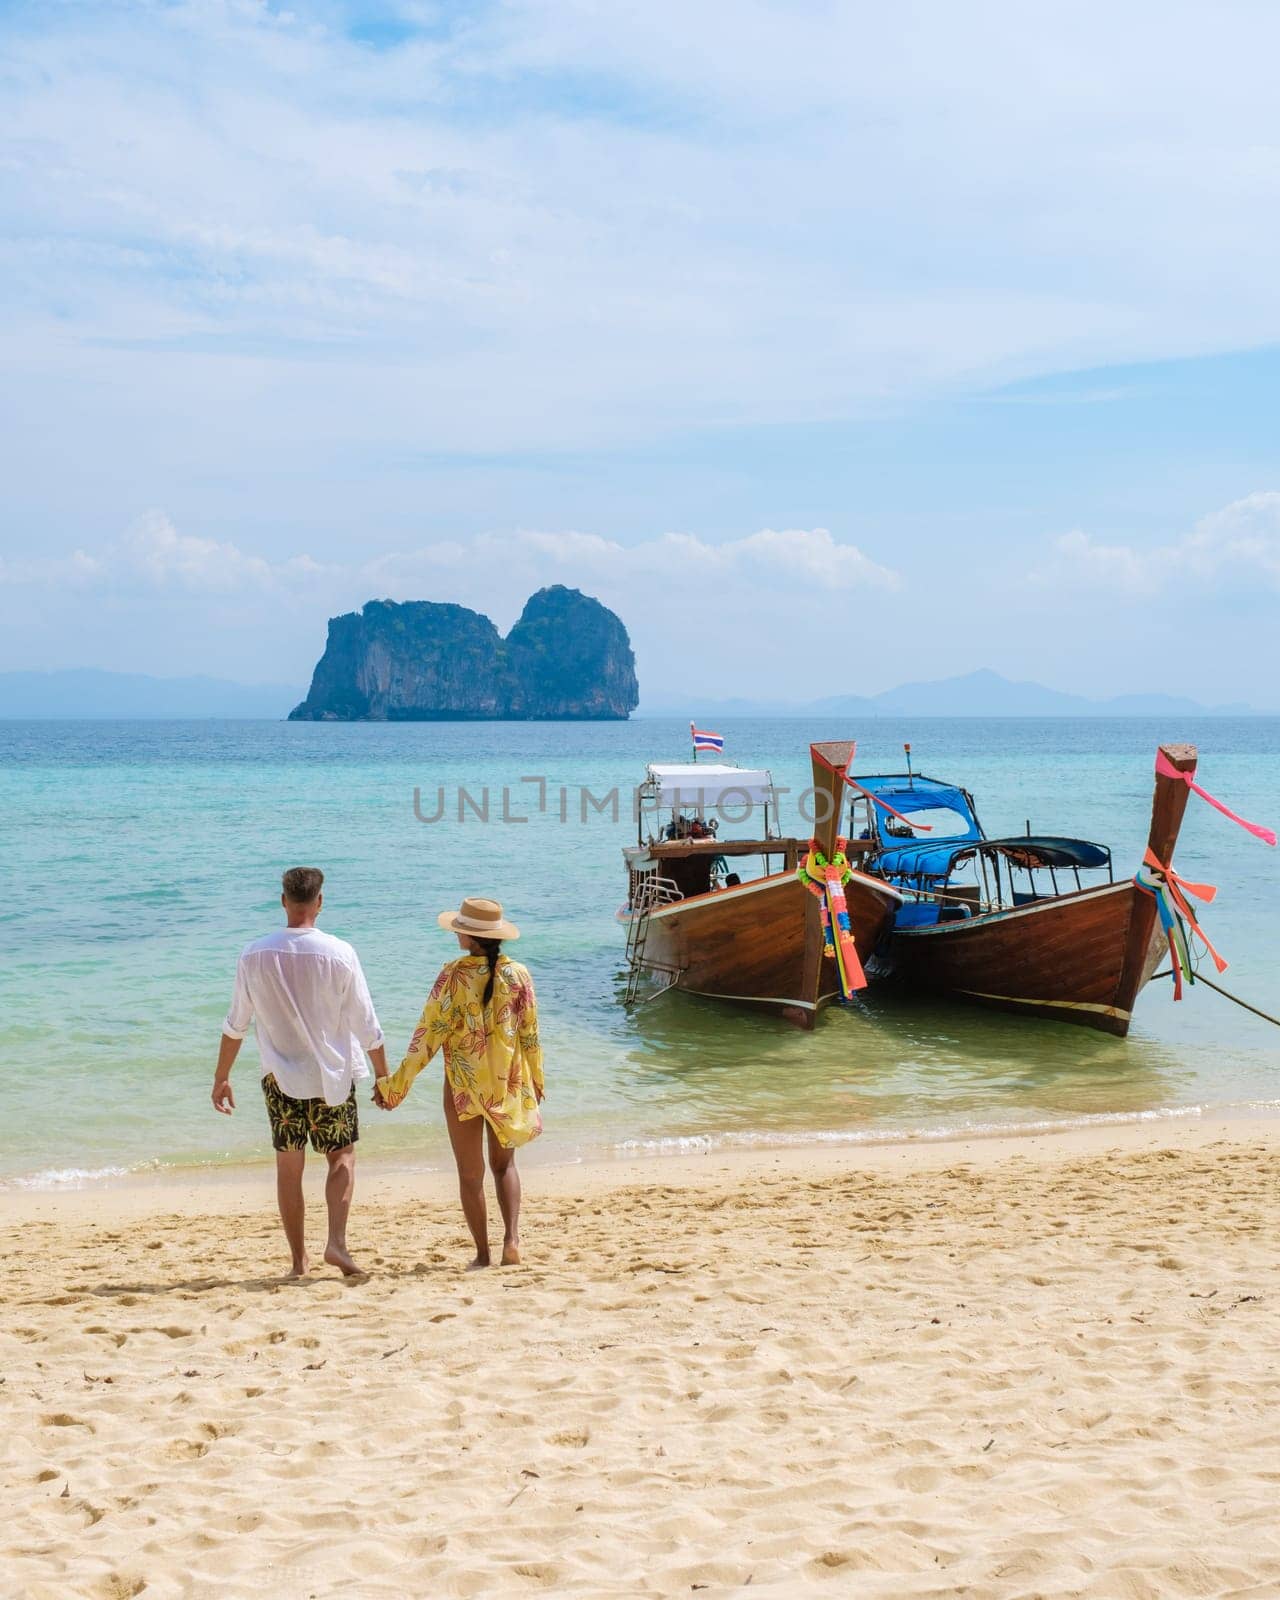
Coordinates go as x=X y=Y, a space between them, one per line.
x=919 y=827
x=1166 y=769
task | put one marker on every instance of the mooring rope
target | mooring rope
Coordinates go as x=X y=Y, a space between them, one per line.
x=1225 y=993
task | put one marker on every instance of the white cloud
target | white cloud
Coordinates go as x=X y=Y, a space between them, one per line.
x=552 y=224
x=768 y=612
x=325 y=295
x=690 y=605
x=153 y=555
x=1242 y=539
x=1079 y=559
x=784 y=560
x=156 y=552
x=75 y=570
x=1238 y=544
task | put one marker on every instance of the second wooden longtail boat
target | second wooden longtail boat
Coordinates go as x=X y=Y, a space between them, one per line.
x=693 y=924
x=988 y=920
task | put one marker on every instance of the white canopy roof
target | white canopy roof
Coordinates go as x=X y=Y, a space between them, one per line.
x=701 y=785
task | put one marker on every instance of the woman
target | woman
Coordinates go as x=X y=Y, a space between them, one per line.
x=482 y=1011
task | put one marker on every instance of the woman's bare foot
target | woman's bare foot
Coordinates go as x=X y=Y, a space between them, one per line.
x=479 y=1263
x=300 y=1268
x=511 y=1255
x=337 y=1256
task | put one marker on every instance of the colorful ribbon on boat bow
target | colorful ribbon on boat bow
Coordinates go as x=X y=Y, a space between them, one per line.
x=1166 y=769
x=1176 y=915
x=827 y=879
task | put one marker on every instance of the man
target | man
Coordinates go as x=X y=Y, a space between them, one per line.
x=315 y=1023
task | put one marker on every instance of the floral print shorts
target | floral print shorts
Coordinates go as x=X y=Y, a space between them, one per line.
x=293 y=1122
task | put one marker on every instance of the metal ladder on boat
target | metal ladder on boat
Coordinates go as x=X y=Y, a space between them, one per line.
x=652 y=891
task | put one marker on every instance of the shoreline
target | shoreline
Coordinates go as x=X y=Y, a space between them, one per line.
x=383 y=1175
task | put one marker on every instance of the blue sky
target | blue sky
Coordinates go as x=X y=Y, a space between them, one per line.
x=956 y=328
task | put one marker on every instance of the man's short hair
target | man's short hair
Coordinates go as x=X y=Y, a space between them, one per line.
x=302 y=885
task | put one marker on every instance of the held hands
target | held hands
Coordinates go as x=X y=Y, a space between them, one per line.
x=386 y=1098
x=223 y=1098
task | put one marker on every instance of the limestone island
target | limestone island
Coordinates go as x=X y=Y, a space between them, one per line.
x=568 y=658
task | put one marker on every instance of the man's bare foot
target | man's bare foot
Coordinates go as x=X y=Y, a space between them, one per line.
x=337 y=1256
x=511 y=1255
x=478 y=1264
x=300 y=1269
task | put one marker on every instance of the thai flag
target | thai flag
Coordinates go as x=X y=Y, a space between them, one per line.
x=702 y=740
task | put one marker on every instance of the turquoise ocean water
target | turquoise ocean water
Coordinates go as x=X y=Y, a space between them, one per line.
x=137 y=858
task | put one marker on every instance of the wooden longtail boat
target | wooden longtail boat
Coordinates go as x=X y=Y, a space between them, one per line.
x=1079 y=956
x=691 y=926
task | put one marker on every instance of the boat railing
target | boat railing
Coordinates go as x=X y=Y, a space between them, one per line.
x=650 y=892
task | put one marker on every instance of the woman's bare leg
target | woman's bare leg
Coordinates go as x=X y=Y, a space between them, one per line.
x=467 y=1139
x=506 y=1180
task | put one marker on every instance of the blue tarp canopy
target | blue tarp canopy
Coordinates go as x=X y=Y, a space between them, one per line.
x=935 y=854
x=935 y=859
x=1041 y=850
x=923 y=852
x=920 y=858
x=916 y=794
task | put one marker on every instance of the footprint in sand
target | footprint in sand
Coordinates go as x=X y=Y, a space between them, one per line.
x=184 y=1450
x=832 y=1561
x=116 y=1587
x=62 y=1419
x=540 y=1571
x=92 y=1514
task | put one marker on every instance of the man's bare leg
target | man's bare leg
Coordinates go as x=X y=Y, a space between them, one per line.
x=506 y=1180
x=289 y=1166
x=339 y=1186
x=468 y=1154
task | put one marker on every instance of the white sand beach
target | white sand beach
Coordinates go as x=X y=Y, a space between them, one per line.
x=1013 y=1368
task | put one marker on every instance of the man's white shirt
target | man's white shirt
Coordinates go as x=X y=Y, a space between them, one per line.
x=315 y=1018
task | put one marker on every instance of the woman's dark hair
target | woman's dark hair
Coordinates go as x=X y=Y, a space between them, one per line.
x=490 y=949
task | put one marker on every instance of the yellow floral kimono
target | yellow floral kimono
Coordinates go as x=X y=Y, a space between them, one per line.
x=493 y=1063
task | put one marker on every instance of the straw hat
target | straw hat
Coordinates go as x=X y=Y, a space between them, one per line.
x=482 y=919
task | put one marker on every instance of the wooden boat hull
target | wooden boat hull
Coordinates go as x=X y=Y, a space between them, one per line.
x=748 y=943
x=1081 y=958
x=1066 y=959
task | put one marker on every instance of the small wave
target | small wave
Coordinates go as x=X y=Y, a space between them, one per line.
x=56 y=1178
x=68 y=1177
x=702 y=1143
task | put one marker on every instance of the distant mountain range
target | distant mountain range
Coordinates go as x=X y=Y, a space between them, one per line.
x=975 y=694
x=86 y=692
